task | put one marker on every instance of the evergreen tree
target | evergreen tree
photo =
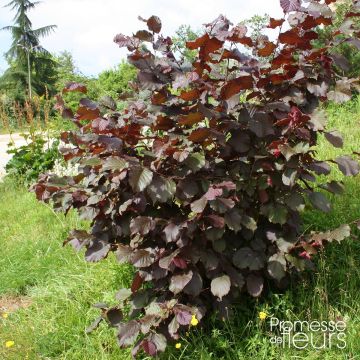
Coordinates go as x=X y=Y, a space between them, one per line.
x=29 y=63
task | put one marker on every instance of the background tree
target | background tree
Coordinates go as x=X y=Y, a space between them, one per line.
x=26 y=57
x=256 y=25
x=182 y=35
x=114 y=82
x=346 y=54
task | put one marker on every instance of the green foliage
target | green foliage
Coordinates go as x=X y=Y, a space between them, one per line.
x=68 y=72
x=32 y=159
x=256 y=24
x=182 y=35
x=115 y=82
x=27 y=55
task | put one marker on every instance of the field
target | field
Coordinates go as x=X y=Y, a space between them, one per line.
x=47 y=290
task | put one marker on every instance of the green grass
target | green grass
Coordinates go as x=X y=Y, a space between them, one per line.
x=62 y=286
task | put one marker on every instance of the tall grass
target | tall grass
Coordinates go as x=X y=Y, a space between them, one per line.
x=62 y=286
x=31 y=114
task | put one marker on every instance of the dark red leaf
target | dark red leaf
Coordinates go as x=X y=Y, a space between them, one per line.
x=149 y=347
x=73 y=87
x=191 y=119
x=275 y=23
x=180 y=263
x=267 y=49
x=199 y=135
x=154 y=24
x=190 y=95
x=144 y=35
x=87 y=110
x=137 y=282
x=234 y=87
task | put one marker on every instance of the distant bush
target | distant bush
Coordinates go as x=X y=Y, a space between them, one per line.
x=200 y=191
x=31 y=160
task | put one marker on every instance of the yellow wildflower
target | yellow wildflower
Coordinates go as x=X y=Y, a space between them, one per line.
x=9 y=344
x=5 y=315
x=194 y=321
x=178 y=345
x=262 y=315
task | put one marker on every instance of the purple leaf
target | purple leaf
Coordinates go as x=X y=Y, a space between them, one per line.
x=320 y=201
x=290 y=5
x=334 y=138
x=128 y=333
x=254 y=285
x=178 y=282
x=347 y=165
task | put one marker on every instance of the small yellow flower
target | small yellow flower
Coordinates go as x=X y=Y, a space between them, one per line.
x=9 y=344
x=5 y=315
x=194 y=321
x=262 y=315
x=178 y=345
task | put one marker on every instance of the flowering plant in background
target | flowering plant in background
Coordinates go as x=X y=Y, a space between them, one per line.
x=201 y=186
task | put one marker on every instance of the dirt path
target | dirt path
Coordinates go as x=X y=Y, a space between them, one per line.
x=4 y=141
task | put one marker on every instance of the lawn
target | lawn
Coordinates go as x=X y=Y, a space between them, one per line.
x=48 y=290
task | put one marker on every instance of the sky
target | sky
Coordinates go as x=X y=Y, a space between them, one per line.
x=86 y=28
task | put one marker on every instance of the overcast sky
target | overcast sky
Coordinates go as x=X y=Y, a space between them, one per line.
x=86 y=28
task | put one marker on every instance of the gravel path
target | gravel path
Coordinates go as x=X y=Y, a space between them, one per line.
x=4 y=141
